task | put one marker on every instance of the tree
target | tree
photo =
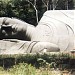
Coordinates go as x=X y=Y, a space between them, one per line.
x=46 y=3
x=65 y=4
x=50 y=4
x=34 y=6
x=54 y=4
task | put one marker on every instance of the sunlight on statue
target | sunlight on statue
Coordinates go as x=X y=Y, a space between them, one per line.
x=54 y=33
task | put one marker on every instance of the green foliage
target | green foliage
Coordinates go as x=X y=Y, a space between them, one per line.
x=22 y=69
x=1 y=68
x=24 y=10
x=21 y=9
x=28 y=69
x=36 y=64
x=60 y=60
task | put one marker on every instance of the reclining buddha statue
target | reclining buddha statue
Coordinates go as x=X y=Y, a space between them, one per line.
x=54 y=33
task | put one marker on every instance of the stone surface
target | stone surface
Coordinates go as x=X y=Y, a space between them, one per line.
x=56 y=27
x=54 y=33
x=9 y=46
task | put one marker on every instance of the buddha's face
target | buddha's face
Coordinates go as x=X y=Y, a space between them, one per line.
x=14 y=31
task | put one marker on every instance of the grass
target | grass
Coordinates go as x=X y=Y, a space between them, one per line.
x=36 y=64
x=3 y=72
x=28 y=69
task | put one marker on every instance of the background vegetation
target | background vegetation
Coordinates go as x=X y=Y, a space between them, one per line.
x=32 y=10
x=37 y=64
x=28 y=69
x=61 y=60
